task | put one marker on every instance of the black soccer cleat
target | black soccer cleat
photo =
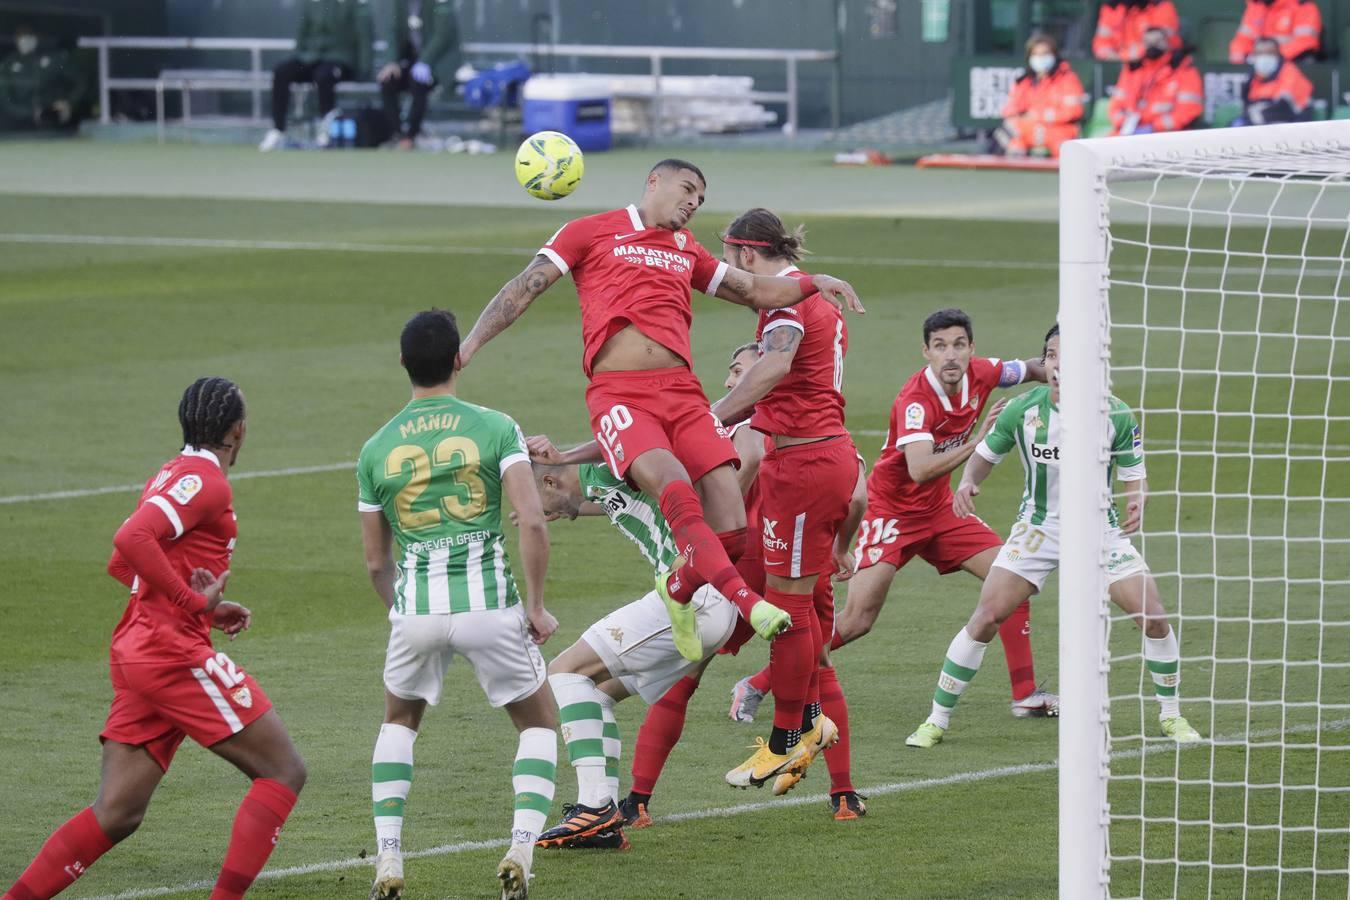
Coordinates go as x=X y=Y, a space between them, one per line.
x=581 y=822
x=848 y=805
x=634 y=813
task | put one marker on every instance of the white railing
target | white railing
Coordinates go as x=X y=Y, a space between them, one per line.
x=656 y=56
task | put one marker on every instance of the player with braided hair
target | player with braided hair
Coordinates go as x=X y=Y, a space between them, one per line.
x=169 y=682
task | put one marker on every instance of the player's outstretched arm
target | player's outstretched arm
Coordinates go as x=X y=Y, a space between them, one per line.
x=778 y=291
x=377 y=538
x=518 y=483
x=512 y=300
x=1035 y=369
x=780 y=349
x=543 y=451
x=976 y=471
x=1136 y=494
x=857 y=508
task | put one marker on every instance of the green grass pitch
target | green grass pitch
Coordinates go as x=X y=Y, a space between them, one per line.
x=98 y=341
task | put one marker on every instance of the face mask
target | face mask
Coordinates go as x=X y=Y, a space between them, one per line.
x=1154 y=52
x=1266 y=65
x=26 y=43
x=1041 y=63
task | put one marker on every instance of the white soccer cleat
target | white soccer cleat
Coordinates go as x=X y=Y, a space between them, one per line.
x=388 y=877
x=1037 y=704
x=514 y=872
x=273 y=140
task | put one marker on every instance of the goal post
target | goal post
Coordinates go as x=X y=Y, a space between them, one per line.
x=1204 y=281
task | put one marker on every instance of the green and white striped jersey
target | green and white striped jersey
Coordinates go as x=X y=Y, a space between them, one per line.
x=1030 y=422
x=635 y=514
x=435 y=471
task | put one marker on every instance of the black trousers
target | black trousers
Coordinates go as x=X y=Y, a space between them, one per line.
x=416 y=111
x=325 y=74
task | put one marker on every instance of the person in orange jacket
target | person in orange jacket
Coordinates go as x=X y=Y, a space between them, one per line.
x=1161 y=92
x=1045 y=105
x=1296 y=26
x=1121 y=25
x=1276 y=91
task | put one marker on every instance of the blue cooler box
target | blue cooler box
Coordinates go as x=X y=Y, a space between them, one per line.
x=576 y=105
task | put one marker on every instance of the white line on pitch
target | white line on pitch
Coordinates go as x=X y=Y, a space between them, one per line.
x=127 y=488
x=721 y=812
x=115 y=240
x=1198 y=445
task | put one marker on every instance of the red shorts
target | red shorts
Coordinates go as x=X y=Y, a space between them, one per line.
x=804 y=492
x=657 y=409
x=940 y=539
x=156 y=705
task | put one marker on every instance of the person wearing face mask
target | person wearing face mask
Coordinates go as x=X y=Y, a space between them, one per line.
x=39 y=88
x=1121 y=25
x=1161 y=92
x=1045 y=106
x=1295 y=25
x=1276 y=91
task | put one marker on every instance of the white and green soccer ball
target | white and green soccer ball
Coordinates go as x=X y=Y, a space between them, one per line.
x=549 y=165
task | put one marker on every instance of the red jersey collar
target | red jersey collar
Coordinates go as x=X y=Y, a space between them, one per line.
x=204 y=454
x=941 y=391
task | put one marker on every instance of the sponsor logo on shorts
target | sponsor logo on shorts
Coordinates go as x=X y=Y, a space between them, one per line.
x=186 y=488
x=771 y=540
x=243 y=697
x=1013 y=555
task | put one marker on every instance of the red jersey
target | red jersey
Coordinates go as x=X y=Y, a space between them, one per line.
x=808 y=402
x=629 y=274
x=923 y=412
x=184 y=520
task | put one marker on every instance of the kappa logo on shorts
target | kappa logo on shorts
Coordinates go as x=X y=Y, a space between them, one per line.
x=243 y=697
x=186 y=488
x=617 y=635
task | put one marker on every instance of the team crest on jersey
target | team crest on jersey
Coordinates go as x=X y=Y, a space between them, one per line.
x=185 y=489
x=975 y=401
x=680 y=238
x=873 y=555
x=243 y=697
x=913 y=416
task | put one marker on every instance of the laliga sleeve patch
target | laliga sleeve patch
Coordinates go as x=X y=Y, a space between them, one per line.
x=914 y=417
x=185 y=489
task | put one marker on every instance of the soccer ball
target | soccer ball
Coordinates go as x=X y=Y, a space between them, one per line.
x=549 y=165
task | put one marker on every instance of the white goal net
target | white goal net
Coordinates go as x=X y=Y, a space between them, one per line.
x=1204 y=283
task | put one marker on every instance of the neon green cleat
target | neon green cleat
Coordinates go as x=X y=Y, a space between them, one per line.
x=768 y=620
x=926 y=737
x=683 y=623
x=1179 y=730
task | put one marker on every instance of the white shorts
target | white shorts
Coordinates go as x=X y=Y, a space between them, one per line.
x=635 y=644
x=1032 y=552
x=496 y=642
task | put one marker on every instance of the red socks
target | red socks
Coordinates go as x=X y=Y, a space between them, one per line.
x=833 y=705
x=1015 y=633
x=659 y=734
x=792 y=658
x=706 y=558
x=67 y=855
x=257 y=826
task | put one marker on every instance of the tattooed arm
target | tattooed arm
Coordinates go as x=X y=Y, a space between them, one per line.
x=779 y=347
x=512 y=300
x=778 y=291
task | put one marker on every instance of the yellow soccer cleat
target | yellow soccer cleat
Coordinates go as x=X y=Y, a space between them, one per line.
x=823 y=734
x=926 y=737
x=764 y=764
x=1179 y=730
